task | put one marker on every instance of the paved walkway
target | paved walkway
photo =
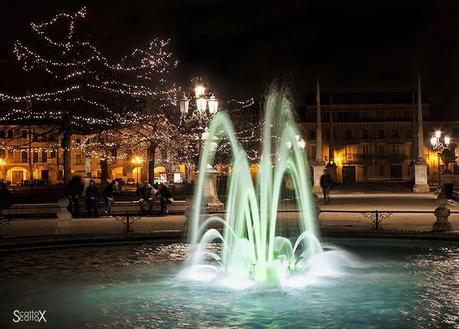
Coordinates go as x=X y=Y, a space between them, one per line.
x=175 y=225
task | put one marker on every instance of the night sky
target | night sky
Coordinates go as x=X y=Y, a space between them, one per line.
x=239 y=47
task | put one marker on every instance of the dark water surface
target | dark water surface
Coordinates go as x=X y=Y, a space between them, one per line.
x=401 y=284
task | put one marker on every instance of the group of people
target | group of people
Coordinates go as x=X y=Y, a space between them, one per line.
x=148 y=194
x=74 y=190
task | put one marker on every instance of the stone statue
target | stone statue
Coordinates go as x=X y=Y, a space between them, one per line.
x=442 y=213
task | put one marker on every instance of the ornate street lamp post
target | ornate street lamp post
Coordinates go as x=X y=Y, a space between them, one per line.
x=206 y=108
x=137 y=162
x=439 y=145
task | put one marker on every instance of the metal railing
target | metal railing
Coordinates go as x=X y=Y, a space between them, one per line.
x=128 y=219
x=378 y=216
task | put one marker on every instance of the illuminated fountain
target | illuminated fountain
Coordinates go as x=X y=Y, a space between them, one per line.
x=250 y=249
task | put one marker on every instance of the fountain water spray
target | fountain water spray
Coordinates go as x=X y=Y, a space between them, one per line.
x=251 y=251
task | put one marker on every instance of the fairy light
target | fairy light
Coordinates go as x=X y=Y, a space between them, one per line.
x=104 y=100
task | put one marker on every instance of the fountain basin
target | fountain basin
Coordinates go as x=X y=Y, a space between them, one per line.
x=396 y=283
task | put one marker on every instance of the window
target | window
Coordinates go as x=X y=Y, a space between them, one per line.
x=44 y=156
x=365 y=149
x=24 y=158
x=365 y=134
x=381 y=133
x=409 y=133
x=79 y=159
x=35 y=157
x=348 y=134
x=395 y=149
x=381 y=149
x=395 y=133
x=35 y=137
x=113 y=151
x=53 y=154
x=2 y=134
x=9 y=133
x=24 y=134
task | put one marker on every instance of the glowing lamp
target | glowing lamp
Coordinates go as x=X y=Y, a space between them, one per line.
x=434 y=140
x=438 y=133
x=199 y=91
x=136 y=160
x=201 y=104
x=447 y=140
x=184 y=105
x=213 y=105
x=301 y=144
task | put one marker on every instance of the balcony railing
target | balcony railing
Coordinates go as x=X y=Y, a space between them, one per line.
x=370 y=157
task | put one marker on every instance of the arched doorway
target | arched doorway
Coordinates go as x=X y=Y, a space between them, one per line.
x=160 y=174
x=137 y=174
x=118 y=172
x=17 y=174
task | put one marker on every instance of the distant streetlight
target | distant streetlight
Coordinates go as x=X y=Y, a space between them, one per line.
x=439 y=145
x=137 y=162
x=299 y=142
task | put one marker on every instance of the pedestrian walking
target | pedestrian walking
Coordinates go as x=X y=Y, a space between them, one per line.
x=326 y=184
x=73 y=191
x=92 y=199
x=109 y=194
x=5 y=197
x=165 y=197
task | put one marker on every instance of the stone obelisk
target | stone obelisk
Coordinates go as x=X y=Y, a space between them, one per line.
x=420 y=166
x=331 y=165
x=319 y=164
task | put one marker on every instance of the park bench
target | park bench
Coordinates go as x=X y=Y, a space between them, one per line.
x=50 y=209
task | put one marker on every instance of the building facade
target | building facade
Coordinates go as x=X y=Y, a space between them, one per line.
x=35 y=153
x=374 y=142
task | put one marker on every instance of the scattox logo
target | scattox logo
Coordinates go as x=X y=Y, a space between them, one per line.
x=29 y=316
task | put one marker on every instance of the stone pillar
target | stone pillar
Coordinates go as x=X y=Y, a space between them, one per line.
x=318 y=170
x=420 y=179
x=64 y=218
x=319 y=151
x=331 y=165
x=441 y=213
x=420 y=167
x=211 y=200
x=319 y=164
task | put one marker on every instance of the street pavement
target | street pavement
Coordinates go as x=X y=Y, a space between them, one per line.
x=337 y=221
x=384 y=202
